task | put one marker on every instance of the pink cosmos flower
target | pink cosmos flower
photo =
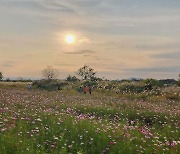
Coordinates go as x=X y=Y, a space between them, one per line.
x=111 y=143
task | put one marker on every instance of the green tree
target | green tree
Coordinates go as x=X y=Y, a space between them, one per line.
x=72 y=78
x=1 y=75
x=86 y=72
x=150 y=83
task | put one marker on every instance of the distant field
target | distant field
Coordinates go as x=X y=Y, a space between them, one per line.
x=14 y=84
x=66 y=121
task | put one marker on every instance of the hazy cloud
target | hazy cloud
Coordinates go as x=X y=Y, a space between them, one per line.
x=8 y=65
x=171 y=55
x=118 y=36
x=80 y=52
x=156 y=69
x=55 y=5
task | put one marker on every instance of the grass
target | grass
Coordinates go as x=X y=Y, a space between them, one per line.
x=66 y=122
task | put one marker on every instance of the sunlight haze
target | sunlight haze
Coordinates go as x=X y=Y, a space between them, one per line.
x=118 y=38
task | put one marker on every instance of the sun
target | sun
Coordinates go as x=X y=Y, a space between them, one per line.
x=70 y=39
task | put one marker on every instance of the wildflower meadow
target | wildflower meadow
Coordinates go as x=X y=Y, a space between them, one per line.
x=68 y=122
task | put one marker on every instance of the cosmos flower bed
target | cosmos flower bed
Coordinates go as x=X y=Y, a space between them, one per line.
x=61 y=122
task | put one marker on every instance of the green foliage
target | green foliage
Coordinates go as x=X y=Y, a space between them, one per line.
x=50 y=85
x=18 y=80
x=131 y=87
x=86 y=72
x=150 y=83
x=90 y=83
x=168 y=82
x=178 y=82
x=96 y=79
x=72 y=79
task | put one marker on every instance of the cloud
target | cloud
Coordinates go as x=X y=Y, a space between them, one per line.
x=86 y=3
x=84 y=40
x=103 y=59
x=55 y=5
x=80 y=52
x=117 y=35
x=8 y=65
x=172 y=55
x=92 y=15
x=156 y=69
x=159 y=44
x=37 y=8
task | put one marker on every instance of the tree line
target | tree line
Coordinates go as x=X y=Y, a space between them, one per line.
x=86 y=73
x=51 y=73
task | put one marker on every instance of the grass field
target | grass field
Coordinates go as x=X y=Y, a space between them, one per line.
x=37 y=121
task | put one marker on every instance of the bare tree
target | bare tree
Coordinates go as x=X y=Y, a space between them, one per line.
x=86 y=72
x=50 y=73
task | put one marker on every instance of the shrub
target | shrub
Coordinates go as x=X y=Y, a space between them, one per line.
x=72 y=79
x=91 y=83
x=49 y=84
x=178 y=83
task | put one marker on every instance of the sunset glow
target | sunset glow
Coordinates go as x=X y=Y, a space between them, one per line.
x=121 y=39
x=70 y=39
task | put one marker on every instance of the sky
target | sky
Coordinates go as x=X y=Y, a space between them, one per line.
x=118 y=38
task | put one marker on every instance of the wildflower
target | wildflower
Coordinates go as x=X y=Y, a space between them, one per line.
x=6 y=120
x=174 y=143
x=52 y=146
x=128 y=135
x=111 y=143
x=38 y=119
x=107 y=149
x=11 y=123
x=69 y=146
x=56 y=138
x=144 y=131
x=57 y=107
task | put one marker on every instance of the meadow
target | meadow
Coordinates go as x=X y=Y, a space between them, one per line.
x=106 y=122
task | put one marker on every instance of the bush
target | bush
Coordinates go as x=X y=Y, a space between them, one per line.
x=168 y=82
x=72 y=79
x=150 y=83
x=178 y=83
x=132 y=88
x=49 y=84
x=90 y=83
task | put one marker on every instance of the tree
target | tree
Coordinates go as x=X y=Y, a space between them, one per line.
x=50 y=73
x=72 y=78
x=86 y=73
x=1 y=75
x=150 y=83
